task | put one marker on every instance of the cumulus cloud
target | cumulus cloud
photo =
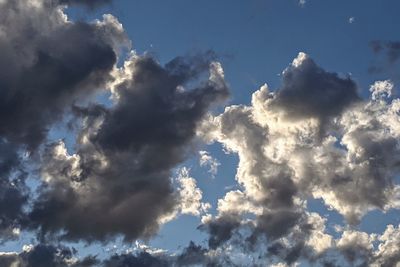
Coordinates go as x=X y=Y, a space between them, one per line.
x=308 y=91
x=46 y=256
x=190 y=196
x=313 y=137
x=41 y=77
x=381 y=89
x=125 y=154
x=207 y=160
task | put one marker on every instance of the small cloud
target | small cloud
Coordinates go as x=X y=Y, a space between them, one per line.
x=351 y=20
x=302 y=2
x=207 y=160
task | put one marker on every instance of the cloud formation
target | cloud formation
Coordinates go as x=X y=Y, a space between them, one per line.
x=125 y=154
x=312 y=138
x=41 y=77
x=207 y=160
x=298 y=143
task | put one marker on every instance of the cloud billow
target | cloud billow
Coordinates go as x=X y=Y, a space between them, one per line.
x=314 y=137
x=125 y=154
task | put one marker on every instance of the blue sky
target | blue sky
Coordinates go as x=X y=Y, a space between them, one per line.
x=255 y=41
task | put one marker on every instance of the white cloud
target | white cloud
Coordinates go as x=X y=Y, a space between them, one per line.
x=381 y=89
x=190 y=195
x=207 y=160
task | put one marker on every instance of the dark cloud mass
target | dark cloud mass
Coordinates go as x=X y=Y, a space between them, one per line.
x=142 y=259
x=41 y=76
x=46 y=256
x=309 y=91
x=125 y=162
x=42 y=73
x=314 y=138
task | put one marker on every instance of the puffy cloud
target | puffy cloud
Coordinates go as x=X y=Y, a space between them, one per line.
x=207 y=160
x=126 y=153
x=356 y=246
x=142 y=259
x=313 y=137
x=388 y=253
x=42 y=75
x=45 y=256
x=309 y=91
x=381 y=89
x=190 y=196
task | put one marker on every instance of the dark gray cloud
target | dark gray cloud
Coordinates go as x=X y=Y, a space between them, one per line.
x=46 y=256
x=142 y=259
x=220 y=230
x=192 y=255
x=309 y=91
x=277 y=223
x=116 y=181
x=125 y=154
x=41 y=76
x=13 y=192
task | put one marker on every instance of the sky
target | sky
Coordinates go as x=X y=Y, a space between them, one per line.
x=199 y=133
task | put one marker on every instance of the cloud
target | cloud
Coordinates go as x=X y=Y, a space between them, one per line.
x=286 y=157
x=126 y=153
x=190 y=195
x=313 y=137
x=142 y=259
x=46 y=256
x=302 y=3
x=381 y=89
x=42 y=75
x=309 y=91
x=207 y=160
